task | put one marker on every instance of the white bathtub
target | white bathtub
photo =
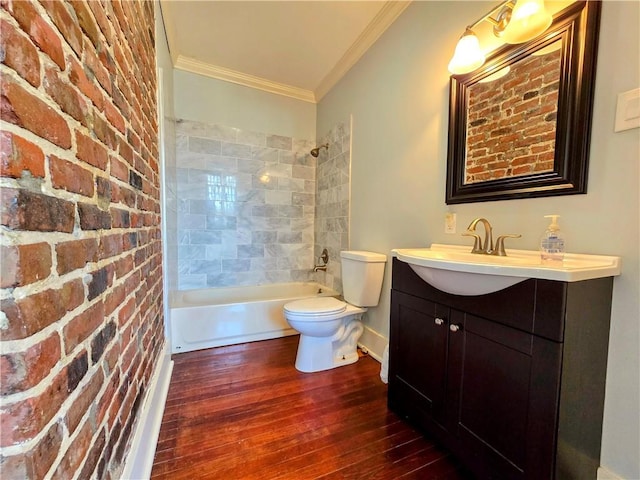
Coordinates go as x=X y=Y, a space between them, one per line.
x=213 y=317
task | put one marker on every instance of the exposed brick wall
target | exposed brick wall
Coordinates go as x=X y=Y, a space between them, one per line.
x=511 y=121
x=81 y=294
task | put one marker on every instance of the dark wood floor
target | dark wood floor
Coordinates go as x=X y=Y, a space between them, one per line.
x=245 y=412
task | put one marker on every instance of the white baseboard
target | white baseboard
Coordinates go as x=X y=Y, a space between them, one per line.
x=373 y=342
x=605 y=474
x=139 y=460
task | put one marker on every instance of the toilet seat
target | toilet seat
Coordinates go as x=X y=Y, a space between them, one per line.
x=315 y=308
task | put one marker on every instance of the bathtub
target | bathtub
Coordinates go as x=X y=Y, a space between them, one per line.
x=213 y=317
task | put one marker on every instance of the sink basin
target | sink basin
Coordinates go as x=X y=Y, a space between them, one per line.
x=454 y=269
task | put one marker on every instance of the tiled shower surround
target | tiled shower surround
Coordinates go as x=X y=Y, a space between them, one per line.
x=245 y=204
x=332 y=201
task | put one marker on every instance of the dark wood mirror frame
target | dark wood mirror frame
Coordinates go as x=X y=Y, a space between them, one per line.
x=577 y=28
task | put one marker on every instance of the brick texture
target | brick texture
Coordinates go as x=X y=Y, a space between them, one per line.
x=81 y=292
x=511 y=123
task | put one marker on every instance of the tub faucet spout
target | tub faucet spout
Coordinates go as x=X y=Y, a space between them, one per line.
x=324 y=258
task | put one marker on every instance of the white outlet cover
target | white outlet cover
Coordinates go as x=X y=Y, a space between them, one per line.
x=450 y=223
x=628 y=110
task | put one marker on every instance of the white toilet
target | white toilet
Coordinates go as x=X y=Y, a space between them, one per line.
x=330 y=328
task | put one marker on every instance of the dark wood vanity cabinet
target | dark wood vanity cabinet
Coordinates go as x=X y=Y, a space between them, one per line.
x=512 y=382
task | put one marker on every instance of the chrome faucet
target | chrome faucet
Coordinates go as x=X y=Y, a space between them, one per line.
x=487 y=247
x=324 y=258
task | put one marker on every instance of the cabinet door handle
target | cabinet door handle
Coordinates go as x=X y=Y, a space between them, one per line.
x=454 y=328
x=439 y=321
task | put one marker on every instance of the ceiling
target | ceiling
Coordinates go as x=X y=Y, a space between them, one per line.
x=295 y=48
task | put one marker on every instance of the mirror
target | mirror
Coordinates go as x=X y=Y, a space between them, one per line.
x=520 y=125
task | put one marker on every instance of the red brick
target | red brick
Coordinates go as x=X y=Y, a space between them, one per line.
x=111 y=357
x=105 y=132
x=126 y=152
x=124 y=266
x=109 y=397
x=91 y=152
x=93 y=218
x=120 y=71
x=103 y=189
x=120 y=101
x=114 y=299
x=83 y=402
x=31 y=314
x=118 y=169
x=110 y=245
x=94 y=455
x=92 y=62
x=130 y=198
x=22 y=370
x=23 y=420
x=134 y=140
x=79 y=78
x=26 y=110
x=38 y=29
x=114 y=117
x=115 y=192
x=86 y=21
x=126 y=312
x=102 y=20
x=65 y=23
x=100 y=280
x=19 y=53
x=34 y=463
x=75 y=454
x=70 y=177
x=35 y=262
x=119 y=218
x=76 y=254
x=26 y=210
x=129 y=240
x=78 y=329
x=18 y=155
x=9 y=266
x=65 y=95
x=127 y=358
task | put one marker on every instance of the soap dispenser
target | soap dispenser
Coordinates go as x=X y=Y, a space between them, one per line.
x=552 y=242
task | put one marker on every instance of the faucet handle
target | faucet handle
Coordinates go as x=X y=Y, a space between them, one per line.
x=499 y=250
x=477 y=242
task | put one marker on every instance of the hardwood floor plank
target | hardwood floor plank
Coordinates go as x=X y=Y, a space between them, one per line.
x=243 y=412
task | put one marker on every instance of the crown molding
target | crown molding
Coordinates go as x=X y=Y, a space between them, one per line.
x=385 y=17
x=195 y=66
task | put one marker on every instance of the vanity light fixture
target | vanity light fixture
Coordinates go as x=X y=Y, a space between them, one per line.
x=468 y=55
x=517 y=21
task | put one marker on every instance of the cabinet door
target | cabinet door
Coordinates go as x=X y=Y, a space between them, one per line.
x=504 y=404
x=418 y=356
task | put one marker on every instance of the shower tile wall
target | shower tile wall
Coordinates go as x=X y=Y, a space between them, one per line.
x=170 y=213
x=332 y=201
x=246 y=204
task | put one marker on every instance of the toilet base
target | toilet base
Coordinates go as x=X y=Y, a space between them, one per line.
x=316 y=354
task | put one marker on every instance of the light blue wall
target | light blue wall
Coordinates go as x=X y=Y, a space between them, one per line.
x=207 y=100
x=398 y=96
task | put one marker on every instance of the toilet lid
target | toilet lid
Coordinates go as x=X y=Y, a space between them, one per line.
x=316 y=305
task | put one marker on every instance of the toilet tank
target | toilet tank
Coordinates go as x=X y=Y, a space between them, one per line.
x=362 y=274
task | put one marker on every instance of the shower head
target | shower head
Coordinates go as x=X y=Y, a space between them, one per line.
x=316 y=151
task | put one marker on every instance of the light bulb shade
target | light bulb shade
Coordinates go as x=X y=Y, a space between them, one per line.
x=468 y=56
x=529 y=19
